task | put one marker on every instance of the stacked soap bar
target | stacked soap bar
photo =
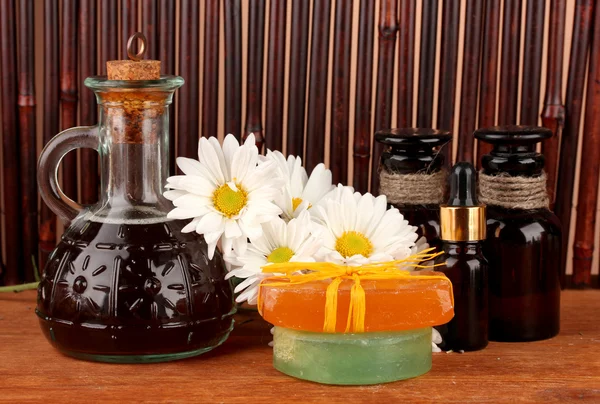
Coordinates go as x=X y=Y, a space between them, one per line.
x=365 y=358
x=396 y=343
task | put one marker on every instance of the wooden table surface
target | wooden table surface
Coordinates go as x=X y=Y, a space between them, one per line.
x=558 y=370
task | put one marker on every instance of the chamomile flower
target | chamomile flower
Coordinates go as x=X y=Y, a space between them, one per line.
x=301 y=192
x=359 y=229
x=280 y=242
x=227 y=193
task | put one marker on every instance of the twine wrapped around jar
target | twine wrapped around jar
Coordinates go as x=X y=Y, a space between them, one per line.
x=514 y=192
x=413 y=189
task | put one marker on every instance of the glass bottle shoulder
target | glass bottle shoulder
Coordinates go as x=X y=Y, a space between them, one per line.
x=522 y=226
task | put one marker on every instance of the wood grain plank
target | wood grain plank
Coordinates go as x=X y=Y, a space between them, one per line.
x=580 y=43
x=297 y=78
x=532 y=62
x=509 y=69
x=317 y=87
x=109 y=42
x=68 y=90
x=470 y=79
x=233 y=67
x=129 y=17
x=87 y=104
x=275 y=74
x=557 y=370
x=210 y=75
x=340 y=102
x=427 y=62
x=553 y=115
x=583 y=249
x=166 y=54
x=448 y=62
x=254 y=81
x=388 y=31
x=150 y=27
x=51 y=110
x=363 y=110
x=489 y=72
x=27 y=141
x=448 y=65
x=406 y=63
x=10 y=144
x=188 y=115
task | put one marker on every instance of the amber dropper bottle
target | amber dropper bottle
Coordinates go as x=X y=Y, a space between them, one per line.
x=463 y=229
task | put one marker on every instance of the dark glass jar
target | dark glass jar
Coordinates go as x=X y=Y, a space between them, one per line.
x=125 y=284
x=523 y=246
x=415 y=151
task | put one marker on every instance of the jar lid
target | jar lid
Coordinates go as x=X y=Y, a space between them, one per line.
x=413 y=137
x=513 y=134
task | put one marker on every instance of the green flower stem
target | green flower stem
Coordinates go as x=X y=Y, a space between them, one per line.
x=19 y=288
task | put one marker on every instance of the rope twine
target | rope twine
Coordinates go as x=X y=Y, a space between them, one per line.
x=514 y=192
x=413 y=189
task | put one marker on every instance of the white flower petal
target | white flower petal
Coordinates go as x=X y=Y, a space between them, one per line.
x=240 y=245
x=174 y=194
x=189 y=166
x=211 y=222
x=181 y=213
x=191 y=226
x=210 y=159
x=318 y=185
x=232 y=230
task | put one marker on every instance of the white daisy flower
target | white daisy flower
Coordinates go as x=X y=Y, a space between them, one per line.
x=228 y=193
x=359 y=229
x=436 y=339
x=301 y=192
x=280 y=242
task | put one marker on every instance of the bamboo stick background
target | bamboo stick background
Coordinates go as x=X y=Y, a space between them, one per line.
x=387 y=85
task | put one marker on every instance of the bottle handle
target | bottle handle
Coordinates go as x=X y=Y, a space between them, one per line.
x=49 y=161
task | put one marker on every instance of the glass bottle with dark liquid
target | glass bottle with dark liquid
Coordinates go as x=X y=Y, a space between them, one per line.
x=523 y=246
x=415 y=151
x=463 y=232
x=125 y=284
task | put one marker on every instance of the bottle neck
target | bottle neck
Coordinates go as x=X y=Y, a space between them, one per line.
x=462 y=247
x=134 y=156
x=409 y=159
x=514 y=160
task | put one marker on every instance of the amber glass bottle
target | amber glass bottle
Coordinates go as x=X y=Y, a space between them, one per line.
x=523 y=242
x=463 y=229
x=415 y=151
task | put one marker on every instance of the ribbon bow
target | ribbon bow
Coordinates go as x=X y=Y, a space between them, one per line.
x=337 y=273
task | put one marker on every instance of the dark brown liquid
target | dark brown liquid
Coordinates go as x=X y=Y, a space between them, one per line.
x=467 y=269
x=134 y=289
x=523 y=250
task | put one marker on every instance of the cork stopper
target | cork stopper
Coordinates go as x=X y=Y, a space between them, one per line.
x=136 y=68
x=134 y=116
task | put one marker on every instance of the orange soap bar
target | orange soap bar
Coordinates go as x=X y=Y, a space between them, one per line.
x=391 y=304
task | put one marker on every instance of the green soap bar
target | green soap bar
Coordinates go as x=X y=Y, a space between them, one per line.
x=352 y=359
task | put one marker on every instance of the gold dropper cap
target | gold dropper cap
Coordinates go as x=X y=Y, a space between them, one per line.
x=463 y=217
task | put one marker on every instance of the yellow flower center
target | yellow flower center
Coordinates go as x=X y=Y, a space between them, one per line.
x=279 y=255
x=296 y=202
x=229 y=202
x=351 y=243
